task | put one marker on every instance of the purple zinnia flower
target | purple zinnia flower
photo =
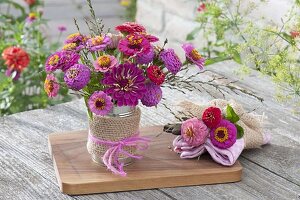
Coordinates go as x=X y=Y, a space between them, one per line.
x=55 y=61
x=224 y=135
x=171 y=60
x=77 y=76
x=194 y=132
x=146 y=57
x=70 y=59
x=62 y=28
x=152 y=96
x=125 y=84
x=100 y=103
x=134 y=44
x=105 y=63
x=193 y=55
x=98 y=43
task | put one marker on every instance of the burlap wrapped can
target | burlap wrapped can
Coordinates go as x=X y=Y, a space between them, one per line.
x=113 y=127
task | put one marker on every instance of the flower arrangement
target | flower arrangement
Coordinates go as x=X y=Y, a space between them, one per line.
x=115 y=72
x=116 y=69
x=222 y=128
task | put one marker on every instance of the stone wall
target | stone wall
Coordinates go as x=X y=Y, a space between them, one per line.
x=174 y=19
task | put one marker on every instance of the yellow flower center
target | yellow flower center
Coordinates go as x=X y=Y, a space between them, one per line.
x=32 y=15
x=53 y=60
x=135 y=40
x=97 y=40
x=48 y=86
x=70 y=46
x=73 y=73
x=104 y=60
x=100 y=103
x=73 y=35
x=189 y=132
x=195 y=54
x=221 y=134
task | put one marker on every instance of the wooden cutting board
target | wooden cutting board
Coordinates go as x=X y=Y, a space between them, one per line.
x=160 y=167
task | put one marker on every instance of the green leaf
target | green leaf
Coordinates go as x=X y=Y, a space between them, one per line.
x=240 y=131
x=214 y=60
x=4 y=82
x=192 y=34
x=231 y=115
x=237 y=57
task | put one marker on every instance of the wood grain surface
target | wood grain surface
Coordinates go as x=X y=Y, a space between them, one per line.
x=160 y=167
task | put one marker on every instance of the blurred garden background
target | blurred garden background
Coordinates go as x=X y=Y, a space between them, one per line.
x=242 y=36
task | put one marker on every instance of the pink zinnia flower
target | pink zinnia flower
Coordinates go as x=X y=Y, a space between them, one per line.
x=193 y=55
x=295 y=34
x=224 y=135
x=31 y=17
x=62 y=28
x=130 y=27
x=98 y=43
x=100 y=103
x=134 y=44
x=115 y=39
x=194 y=132
x=105 y=63
x=51 y=86
x=78 y=39
x=202 y=7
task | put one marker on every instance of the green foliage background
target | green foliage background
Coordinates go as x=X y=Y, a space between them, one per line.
x=27 y=92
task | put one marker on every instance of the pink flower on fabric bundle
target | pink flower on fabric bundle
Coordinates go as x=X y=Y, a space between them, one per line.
x=194 y=132
x=193 y=55
x=105 y=63
x=224 y=135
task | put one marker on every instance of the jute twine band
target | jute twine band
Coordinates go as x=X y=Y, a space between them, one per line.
x=110 y=128
x=251 y=123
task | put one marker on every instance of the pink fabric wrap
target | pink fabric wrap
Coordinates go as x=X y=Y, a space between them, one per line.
x=225 y=157
x=111 y=156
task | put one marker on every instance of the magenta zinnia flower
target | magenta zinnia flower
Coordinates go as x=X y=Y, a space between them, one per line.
x=77 y=76
x=130 y=27
x=70 y=58
x=78 y=39
x=224 y=135
x=125 y=84
x=171 y=60
x=105 y=63
x=193 y=55
x=55 y=61
x=152 y=96
x=100 y=103
x=194 y=132
x=98 y=43
x=146 y=57
x=134 y=44
x=51 y=86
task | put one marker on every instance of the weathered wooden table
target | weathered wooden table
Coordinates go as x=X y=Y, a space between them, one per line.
x=26 y=169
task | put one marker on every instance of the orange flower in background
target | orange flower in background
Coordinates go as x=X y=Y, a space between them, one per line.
x=15 y=58
x=30 y=2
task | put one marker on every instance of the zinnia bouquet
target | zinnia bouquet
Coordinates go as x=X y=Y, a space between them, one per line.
x=116 y=69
